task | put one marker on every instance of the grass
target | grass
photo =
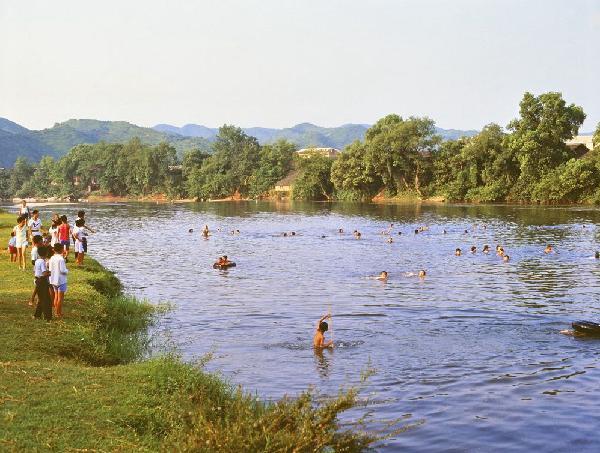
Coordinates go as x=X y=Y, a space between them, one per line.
x=79 y=384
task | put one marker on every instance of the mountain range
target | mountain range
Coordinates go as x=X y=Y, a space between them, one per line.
x=18 y=141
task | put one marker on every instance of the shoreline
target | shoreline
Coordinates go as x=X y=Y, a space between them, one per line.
x=86 y=373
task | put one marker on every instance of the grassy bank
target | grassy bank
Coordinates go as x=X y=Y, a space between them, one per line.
x=78 y=385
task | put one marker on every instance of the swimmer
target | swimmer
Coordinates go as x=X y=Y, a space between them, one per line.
x=319 y=338
x=486 y=249
x=457 y=252
x=205 y=231
x=500 y=251
x=389 y=240
x=548 y=249
x=466 y=231
x=191 y=230
x=422 y=273
x=284 y=235
x=340 y=230
x=416 y=231
x=445 y=232
x=506 y=258
x=473 y=249
x=399 y=233
x=382 y=276
x=293 y=233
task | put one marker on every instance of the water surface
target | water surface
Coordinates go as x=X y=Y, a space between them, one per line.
x=472 y=352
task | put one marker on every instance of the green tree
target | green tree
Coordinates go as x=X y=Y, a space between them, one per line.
x=229 y=169
x=20 y=177
x=538 y=137
x=398 y=150
x=314 y=180
x=353 y=174
x=275 y=162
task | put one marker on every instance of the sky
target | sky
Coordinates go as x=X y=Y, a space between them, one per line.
x=276 y=63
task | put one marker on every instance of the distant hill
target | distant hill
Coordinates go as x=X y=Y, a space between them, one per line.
x=15 y=140
x=303 y=135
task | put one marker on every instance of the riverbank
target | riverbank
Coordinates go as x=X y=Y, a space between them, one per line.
x=79 y=384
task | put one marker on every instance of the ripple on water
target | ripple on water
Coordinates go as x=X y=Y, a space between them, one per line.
x=473 y=350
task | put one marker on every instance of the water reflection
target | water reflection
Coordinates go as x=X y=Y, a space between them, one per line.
x=473 y=349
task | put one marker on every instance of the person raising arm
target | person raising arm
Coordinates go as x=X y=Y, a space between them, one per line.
x=319 y=338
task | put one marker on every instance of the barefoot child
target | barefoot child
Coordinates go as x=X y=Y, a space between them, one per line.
x=37 y=244
x=319 y=338
x=58 y=277
x=79 y=236
x=21 y=240
x=42 y=286
x=12 y=247
x=64 y=235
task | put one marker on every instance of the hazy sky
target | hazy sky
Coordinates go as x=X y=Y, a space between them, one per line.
x=276 y=63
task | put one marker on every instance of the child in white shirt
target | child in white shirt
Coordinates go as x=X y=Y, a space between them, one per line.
x=58 y=277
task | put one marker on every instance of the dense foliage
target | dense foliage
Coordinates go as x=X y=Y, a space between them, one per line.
x=529 y=161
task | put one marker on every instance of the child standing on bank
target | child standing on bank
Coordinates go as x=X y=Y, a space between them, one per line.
x=79 y=236
x=37 y=244
x=58 y=277
x=42 y=285
x=64 y=235
x=12 y=247
x=21 y=240
x=35 y=224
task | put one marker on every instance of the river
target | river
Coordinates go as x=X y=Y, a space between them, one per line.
x=470 y=356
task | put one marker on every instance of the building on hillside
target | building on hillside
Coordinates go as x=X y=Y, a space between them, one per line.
x=581 y=144
x=283 y=187
x=331 y=153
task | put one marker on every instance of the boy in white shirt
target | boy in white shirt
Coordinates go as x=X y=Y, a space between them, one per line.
x=35 y=224
x=58 y=277
x=37 y=244
x=42 y=286
x=79 y=236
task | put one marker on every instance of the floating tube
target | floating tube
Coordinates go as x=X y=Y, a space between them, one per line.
x=586 y=328
x=223 y=266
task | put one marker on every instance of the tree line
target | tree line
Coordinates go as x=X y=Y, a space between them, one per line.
x=528 y=161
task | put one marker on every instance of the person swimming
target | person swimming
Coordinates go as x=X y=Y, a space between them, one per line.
x=500 y=251
x=382 y=276
x=473 y=249
x=389 y=240
x=319 y=337
x=548 y=249
x=205 y=231
x=486 y=249
x=422 y=273
x=416 y=231
x=506 y=258
x=191 y=230
x=340 y=230
x=457 y=252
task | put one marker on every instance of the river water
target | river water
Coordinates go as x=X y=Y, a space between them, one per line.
x=471 y=356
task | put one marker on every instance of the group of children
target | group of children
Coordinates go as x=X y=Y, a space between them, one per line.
x=49 y=255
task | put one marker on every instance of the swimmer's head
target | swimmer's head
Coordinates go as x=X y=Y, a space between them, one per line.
x=293 y=233
x=506 y=258
x=422 y=273
x=458 y=252
x=323 y=326
x=486 y=248
x=548 y=248
x=383 y=274
x=399 y=233
x=473 y=249
x=417 y=231
x=284 y=235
